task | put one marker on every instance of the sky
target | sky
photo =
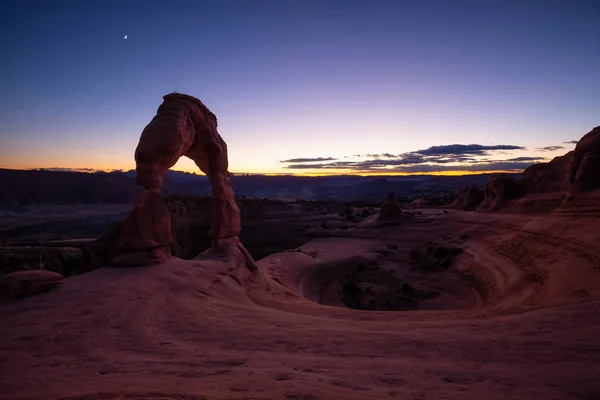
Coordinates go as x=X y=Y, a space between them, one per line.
x=303 y=87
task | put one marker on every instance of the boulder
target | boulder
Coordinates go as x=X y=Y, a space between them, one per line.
x=27 y=283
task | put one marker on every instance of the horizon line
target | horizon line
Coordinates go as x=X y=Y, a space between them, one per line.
x=457 y=172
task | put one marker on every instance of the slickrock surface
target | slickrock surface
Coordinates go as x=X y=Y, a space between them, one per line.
x=515 y=318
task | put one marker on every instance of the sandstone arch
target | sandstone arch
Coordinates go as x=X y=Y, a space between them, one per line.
x=183 y=126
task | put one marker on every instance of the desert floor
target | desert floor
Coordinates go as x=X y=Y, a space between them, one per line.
x=517 y=317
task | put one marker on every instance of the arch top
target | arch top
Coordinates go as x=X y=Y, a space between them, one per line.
x=192 y=99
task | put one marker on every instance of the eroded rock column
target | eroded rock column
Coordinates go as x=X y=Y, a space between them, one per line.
x=390 y=208
x=146 y=237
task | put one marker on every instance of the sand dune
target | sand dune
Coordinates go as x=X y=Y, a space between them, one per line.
x=516 y=317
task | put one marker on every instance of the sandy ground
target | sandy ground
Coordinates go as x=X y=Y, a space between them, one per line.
x=518 y=318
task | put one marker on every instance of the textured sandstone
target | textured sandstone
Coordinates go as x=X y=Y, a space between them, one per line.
x=583 y=171
x=469 y=198
x=183 y=126
x=547 y=177
x=498 y=192
x=146 y=236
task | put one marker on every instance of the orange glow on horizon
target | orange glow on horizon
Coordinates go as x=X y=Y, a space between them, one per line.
x=300 y=174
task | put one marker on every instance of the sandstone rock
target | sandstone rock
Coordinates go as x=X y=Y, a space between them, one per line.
x=469 y=198
x=583 y=171
x=546 y=177
x=390 y=208
x=27 y=283
x=183 y=126
x=498 y=192
x=232 y=251
x=146 y=236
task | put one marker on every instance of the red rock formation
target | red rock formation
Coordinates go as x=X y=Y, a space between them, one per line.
x=546 y=177
x=390 y=208
x=469 y=198
x=183 y=126
x=146 y=236
x=498 y=192
x=583 y=171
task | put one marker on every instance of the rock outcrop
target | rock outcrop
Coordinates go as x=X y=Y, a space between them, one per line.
x=469 y=198
x=499 y=191
x=583 y=171
x=390 y=208
x=546 y=177
x=183 y=126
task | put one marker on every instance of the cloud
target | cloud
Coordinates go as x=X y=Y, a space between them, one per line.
x=307 y=160
x=572 y=142
x=415 y=168
x=521 y=159
x=481 y=167
x=475 y=149
x=453 y=157
x=315 y=166
x=550 y=148
x=383 y=155
x=60 y=169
